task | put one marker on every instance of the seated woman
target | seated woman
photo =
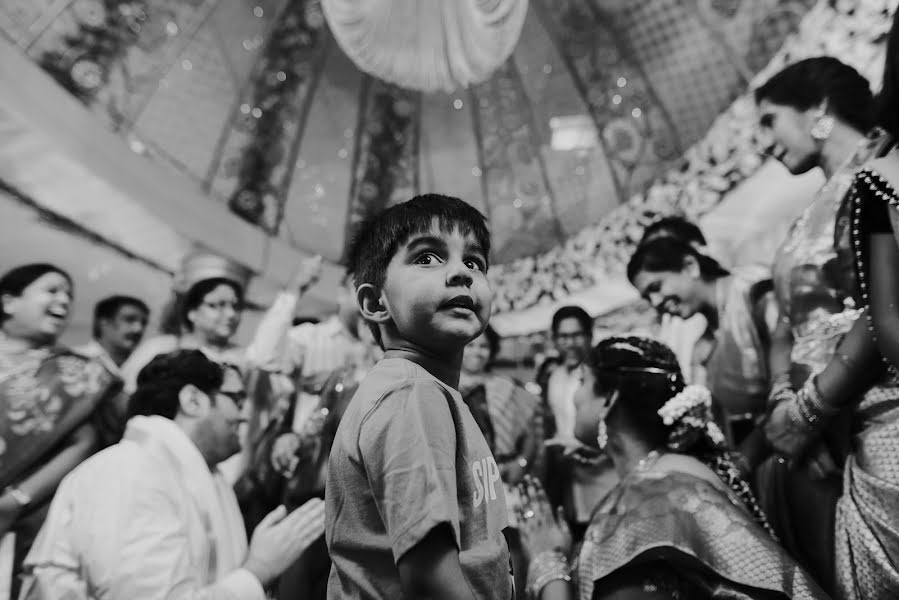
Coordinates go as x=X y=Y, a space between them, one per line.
x=56 y=406
x=681 y=523
x=739 y=307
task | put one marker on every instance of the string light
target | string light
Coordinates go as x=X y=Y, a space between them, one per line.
x=245 y=109
x=622 y=82
x=636 y=113
x=616 y=99
x=547 y=69
x=517 y=203
x=476 y=171
x=258 y=11
x=187 y=65
x=171 y=28
x=256 y=112
x=457 y=104
x=342 y=153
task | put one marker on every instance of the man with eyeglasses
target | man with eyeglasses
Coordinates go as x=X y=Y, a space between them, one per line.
x=576 y=479
x=152 y=516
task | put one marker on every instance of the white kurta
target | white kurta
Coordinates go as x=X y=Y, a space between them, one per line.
x=144 y=519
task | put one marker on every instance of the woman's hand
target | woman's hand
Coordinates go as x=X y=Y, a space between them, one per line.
x=284 y=453
x=568 y=445
x=307 y=274
x=787 y=439
x=540 y=527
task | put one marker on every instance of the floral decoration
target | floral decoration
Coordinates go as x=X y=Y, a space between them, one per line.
x=728 y=154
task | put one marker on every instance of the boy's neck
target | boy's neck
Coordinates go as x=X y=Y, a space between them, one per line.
x=444 y=368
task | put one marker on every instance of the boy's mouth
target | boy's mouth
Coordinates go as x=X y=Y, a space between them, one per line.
x=460 y=302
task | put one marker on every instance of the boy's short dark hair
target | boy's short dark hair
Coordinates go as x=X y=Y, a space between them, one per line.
x=109 y=307
x=379 y=236
x=572 y=312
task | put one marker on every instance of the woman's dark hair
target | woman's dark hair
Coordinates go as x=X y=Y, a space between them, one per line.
x=646 y=374
x=160 y=382
x=888 y=98
x=198 y=292
x=14 y=282
x=674 y=226
x=808 y=83
x=669 y=254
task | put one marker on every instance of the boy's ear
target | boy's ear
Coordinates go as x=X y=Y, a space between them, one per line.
x=371 y=305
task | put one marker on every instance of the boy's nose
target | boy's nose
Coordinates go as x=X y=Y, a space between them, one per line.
x=459 y=275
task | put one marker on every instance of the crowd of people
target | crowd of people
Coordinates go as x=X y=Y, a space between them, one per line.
x=750 y=450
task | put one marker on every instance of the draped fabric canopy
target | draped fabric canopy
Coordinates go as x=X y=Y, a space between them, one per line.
x=427 y=45
x=258 y=111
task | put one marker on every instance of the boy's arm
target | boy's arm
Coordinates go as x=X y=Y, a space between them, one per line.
x=431 y=569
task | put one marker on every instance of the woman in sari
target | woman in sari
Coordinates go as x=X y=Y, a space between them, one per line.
x=510 y=419
x=867 y=514
x=816 y=113
x=682 y=522
x=679 y=280
x=51 y=401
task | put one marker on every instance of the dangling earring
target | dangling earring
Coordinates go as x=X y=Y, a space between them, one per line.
x=823 y=125
x=602 y=436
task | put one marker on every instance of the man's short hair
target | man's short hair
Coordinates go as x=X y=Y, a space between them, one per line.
x=108 y=308
x=160 y=382
x=573 y=312
x=380 y=236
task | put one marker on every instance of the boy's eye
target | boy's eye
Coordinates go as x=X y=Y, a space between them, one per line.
x=475 y=264
x=426 y=258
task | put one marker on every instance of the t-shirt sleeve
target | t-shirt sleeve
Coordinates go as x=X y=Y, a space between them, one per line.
x=408 y=447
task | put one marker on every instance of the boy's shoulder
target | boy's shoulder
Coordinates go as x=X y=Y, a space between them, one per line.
x=396 y=377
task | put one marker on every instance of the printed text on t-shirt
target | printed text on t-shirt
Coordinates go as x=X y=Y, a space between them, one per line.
x=486 y=475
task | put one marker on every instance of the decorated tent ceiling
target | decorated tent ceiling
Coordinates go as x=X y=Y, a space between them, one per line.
x=257 y=104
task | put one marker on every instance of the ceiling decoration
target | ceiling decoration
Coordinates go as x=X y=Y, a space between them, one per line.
x=385 y=168
x=255 y=103
x=427 y=45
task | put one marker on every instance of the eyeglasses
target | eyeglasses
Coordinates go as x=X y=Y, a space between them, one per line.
x=222 y=305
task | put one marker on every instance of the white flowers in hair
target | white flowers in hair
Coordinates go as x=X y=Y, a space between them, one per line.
x=691 y=397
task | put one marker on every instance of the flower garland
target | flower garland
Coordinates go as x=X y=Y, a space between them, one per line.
x=729 y=153
x=689 y=415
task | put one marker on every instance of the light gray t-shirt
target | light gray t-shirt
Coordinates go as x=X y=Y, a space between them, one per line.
x=408 y=456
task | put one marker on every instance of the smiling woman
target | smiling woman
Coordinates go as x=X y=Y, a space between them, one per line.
x=678 y=279
x=50 y=399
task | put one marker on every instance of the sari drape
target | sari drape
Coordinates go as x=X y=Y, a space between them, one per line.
x=692 y=528
x=867 y=517
x=46 y=395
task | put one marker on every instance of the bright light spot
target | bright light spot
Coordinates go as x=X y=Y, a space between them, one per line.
x=636 y=113
x=258 y=11
x=457 y=104
x=622 y=82
x=476 y=171
x=137 y=147
x=342 y=153
x=517 y=203
x=547 y=69
x=187 y=65
x=171 y=28
x=256 y=112
x=347 y=133
x=616 y=99
x=319 y=190
x=245 y=109
x=281 y=76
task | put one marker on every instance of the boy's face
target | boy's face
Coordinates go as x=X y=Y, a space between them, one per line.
x=436 y=290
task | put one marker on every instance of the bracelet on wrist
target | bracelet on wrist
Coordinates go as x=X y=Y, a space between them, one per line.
x=547 y=566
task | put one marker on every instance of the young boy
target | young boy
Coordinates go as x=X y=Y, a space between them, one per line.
x=414 y=501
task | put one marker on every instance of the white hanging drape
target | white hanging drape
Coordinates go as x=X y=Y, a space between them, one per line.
x=427 y=45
